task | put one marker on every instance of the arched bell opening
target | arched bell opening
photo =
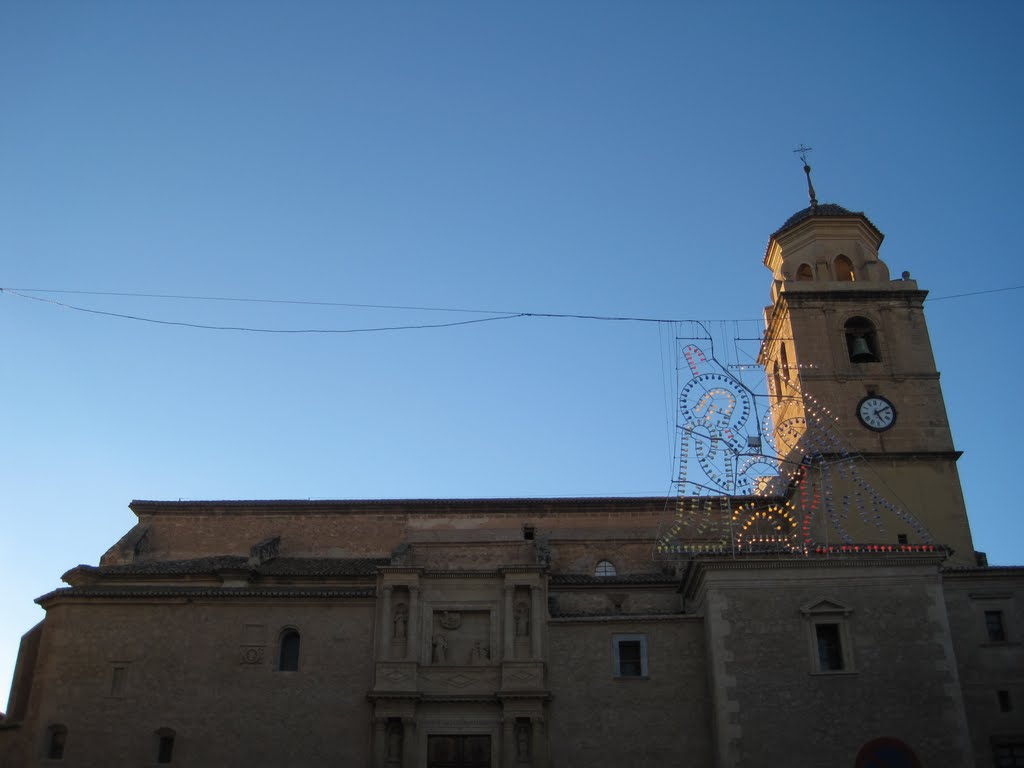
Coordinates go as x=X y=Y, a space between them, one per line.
x=861 y=340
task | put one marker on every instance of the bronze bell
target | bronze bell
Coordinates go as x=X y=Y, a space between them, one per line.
x=860 y=352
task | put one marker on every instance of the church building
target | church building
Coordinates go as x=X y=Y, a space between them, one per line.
x=811 y=597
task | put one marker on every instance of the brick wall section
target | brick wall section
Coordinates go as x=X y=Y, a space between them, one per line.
x=183 y=530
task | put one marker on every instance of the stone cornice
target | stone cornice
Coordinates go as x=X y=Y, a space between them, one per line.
x=801 y=292
x=569 y=582
x=514 y=506
x=519 y=695
x=623 y=618
x=852 y=373
x=699 y=567
x=476 y=698
x=393 y=696
x=522 y=569
x=896 y=455
x=984 y=572
x=75 y=594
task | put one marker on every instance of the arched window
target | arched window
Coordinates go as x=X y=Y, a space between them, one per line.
x=843 y=268
x=604 y=569
x=804 y=272
x=56 y=738
x=784 y=359
x=288 y=658
x=164 y=745
x=861 y=340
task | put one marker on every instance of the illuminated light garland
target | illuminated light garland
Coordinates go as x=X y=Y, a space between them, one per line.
x=715 y=409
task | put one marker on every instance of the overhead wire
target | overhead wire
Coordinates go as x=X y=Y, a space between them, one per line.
x=24 y=293
x=204 y=326
x=495 y=314
x=975 y=293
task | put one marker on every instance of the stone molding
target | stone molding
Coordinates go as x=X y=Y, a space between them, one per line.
x=697 y=572
x=67 y=594
x=538 y=508
x=624 y=618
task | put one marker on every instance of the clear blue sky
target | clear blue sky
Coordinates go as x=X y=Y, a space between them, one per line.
x=575 y=157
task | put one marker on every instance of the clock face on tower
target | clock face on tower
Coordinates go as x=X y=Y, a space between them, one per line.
x=876 y=413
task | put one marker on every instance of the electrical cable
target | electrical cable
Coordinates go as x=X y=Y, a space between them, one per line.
x=497 y=314
x=300 y=302
x=975 y=293
x=256 y=330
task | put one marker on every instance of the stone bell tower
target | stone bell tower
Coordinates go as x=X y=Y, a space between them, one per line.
x=847 y=346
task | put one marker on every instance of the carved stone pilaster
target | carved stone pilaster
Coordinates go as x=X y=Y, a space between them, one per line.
x=508 y=743
x=412 y=643
x=380 y=725
x=509 y=644
x=536 y=607
x=408 y=742
x=385 y=622
x=539 y=735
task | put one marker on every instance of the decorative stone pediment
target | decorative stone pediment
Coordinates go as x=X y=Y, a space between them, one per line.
x=825 y=606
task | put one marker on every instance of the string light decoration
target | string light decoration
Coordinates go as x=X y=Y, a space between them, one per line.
x=784 y=483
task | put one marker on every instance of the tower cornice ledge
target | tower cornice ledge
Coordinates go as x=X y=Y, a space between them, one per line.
x=831 y=292
x=700 y=567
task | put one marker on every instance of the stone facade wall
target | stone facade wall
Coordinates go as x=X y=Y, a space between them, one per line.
x=899 y=677
x=203 y=529
x=986 y=666
x=602 y=721
x=614 y=599
x=206 y=670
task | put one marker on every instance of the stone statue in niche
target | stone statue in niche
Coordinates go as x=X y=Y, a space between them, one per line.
x=523 y=742
x=394 y=738
x=479 y=654
x=522 y=616
x=440 y=649
x=401 y=619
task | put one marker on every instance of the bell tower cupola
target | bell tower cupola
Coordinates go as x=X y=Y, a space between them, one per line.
x=845 y=340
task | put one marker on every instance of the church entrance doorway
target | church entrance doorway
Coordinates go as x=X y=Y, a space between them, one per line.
x=459 y=751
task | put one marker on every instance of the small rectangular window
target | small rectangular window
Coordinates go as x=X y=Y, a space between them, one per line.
x=1010 y=755
x=830 y=647
x=57 y=736
x=117 y=681
x=288 y=655
x=165 y=749
x=994 y=626
x=630 y=655
x=901 y=538
x=629 y=658
x=1005 y=705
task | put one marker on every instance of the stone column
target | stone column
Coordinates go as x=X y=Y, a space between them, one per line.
x=385 y=623
x=380 y=739
x=408 y=742
x=535 y=622
x=508 y=742
x=412 y=633
x=509 y=646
